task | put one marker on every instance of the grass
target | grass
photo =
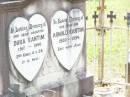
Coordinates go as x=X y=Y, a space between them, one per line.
x=114 y=66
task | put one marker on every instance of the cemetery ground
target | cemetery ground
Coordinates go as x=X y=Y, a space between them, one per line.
x=115 y=52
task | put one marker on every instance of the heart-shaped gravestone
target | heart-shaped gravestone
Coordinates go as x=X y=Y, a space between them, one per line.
x=28 y=42
x=67 y=33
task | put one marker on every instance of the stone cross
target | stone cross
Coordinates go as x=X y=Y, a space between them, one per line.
x=127 y=18
x=111 y=16
x=95 y=16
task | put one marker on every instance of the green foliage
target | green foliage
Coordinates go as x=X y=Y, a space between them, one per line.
x=115 y=66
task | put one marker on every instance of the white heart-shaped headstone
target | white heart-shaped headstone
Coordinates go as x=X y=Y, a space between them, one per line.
x=28 y=42
x=67 y=34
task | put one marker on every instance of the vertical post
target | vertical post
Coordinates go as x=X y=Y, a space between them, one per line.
x=101 y=42
x=95 y=17
x=127 y=68
x=111 y=16
x=127 y=62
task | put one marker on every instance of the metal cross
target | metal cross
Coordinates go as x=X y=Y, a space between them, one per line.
x=95 y=16
x=127 y=18
x=111 y=16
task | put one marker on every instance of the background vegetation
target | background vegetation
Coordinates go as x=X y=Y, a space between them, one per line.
x=115 y=63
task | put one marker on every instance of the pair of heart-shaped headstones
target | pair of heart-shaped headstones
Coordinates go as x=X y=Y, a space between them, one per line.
x=28 y=40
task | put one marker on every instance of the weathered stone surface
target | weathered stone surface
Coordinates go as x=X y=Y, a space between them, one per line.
x=66 y=83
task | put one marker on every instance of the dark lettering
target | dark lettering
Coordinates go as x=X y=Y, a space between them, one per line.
x=19 y=42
